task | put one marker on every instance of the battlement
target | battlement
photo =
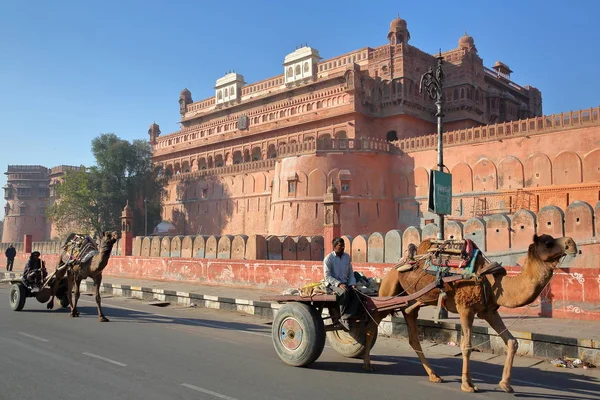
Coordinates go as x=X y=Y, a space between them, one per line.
x=26 y=168
x=519 y=128
x=64 y=168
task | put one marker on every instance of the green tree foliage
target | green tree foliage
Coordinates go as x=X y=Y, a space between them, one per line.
x=93 y=200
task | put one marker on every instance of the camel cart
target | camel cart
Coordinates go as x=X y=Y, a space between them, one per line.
x=300 y=328
x=20 y=290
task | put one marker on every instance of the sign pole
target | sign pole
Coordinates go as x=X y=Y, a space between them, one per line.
x=433 y=83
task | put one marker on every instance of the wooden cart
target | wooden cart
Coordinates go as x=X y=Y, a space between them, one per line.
x=300 y=326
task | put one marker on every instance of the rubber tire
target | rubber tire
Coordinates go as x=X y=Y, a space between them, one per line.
x=18 y=295
x=313 y=336
x=349 y=344
x=64 y=302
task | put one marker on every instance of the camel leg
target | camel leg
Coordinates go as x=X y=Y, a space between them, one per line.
x=75 y=311
x=466 y=322
x=413 y=340
x=495 y=321
x=70 y=284
x=370 y=334
x=97 y=282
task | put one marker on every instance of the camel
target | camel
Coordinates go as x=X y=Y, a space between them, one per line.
x=469 y=298
x=92 y=268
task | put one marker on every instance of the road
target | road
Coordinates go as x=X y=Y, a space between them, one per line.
x=148 y=353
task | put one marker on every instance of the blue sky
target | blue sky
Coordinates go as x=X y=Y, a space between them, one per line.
x=73 y=69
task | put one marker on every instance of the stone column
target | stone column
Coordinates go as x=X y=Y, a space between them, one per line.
x=126 y=231
x=27 y=243
x=331 y=225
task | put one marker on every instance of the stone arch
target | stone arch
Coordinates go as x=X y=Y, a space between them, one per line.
x=579 y=221
x=317 y=248
x=146 y=244
x=155 y=246
x=591 y=167
x=224 y=247
x=202 y=163
x=237 y=157
x=238 y=247
x=538 y=170
x=484 y=176
x=375 y=248
x=360 y=248
x=566 y=168
x=260 y=182
x=523 y=227
x=430 y=231
x=165 y=247
x=256 y=154
x=211 y=247
x=462 y=178
x=317 y=185
x=474 y=230
x=510 y=173
x=497 y=231
x=248 y=184
x=210 y=163
x=289 y=248
x=302 y=185
x=303 y=248
x=341 y=135
x=393 y=246
x=272 y=151
x=274 y=248
x=219 y=162
x=185 y=167
x=247 y=157
x=551 y=221
x=176 y=246
x=453 y=230
x=391 y=136
x=411 y=235
x=421 y=182
x=187 y=247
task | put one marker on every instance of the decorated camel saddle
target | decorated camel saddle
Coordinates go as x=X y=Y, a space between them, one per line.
x=79 y=248
x=447 y=258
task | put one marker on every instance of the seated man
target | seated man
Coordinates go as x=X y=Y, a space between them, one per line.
x=339 y=276
x=35 y=270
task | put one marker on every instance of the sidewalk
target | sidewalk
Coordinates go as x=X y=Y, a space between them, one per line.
x=539 y=337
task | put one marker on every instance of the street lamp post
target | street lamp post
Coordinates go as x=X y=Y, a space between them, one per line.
x=145 y=216
x=433 y=83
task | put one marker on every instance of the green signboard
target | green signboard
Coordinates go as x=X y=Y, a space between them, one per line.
x=440 y=192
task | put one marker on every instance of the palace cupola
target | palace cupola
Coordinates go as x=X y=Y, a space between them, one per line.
x=154 y=132
x=300 y=66
x=398 y=32
x=467 y=42
x=228 y=89
x=185 y=98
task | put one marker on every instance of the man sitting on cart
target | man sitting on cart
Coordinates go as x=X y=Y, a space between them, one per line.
x=339 y=276
x=35 y=271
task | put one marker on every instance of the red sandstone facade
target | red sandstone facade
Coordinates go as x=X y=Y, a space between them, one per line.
x=29 y=190
x=258 y=158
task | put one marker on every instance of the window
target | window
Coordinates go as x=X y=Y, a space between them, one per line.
x=220 y=95
x=22 y=210
x=290 y=72
x=345 y=186
x=306 y=67
x=292 y=187
x=23 y=192
x=204 y=193
x=298 y=71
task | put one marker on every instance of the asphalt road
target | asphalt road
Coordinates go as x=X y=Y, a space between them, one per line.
x=148 y=353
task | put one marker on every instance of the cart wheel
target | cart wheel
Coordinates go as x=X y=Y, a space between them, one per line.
x=18 y=294
x=298 y=334
x=349 y=344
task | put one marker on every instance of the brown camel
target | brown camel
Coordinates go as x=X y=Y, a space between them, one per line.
x=92 y=268
x=466 y=297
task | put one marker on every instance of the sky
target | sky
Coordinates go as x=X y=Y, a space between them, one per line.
x=71 y=69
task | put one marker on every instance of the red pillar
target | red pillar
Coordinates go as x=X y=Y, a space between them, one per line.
x=331 y=226
x=27 y=243
x=127 y=231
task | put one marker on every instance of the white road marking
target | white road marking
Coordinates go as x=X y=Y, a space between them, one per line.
x=206 y=391
x=33 y=337
x=120 y=364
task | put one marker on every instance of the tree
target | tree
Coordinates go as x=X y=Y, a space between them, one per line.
x=93 y=200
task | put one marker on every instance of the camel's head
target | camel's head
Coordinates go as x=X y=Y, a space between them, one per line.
x=551 y=250
x=109 y=238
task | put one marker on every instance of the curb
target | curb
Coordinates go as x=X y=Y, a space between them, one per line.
x=531 y=344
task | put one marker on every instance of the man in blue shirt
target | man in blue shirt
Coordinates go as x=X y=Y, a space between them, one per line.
x=339 y=276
